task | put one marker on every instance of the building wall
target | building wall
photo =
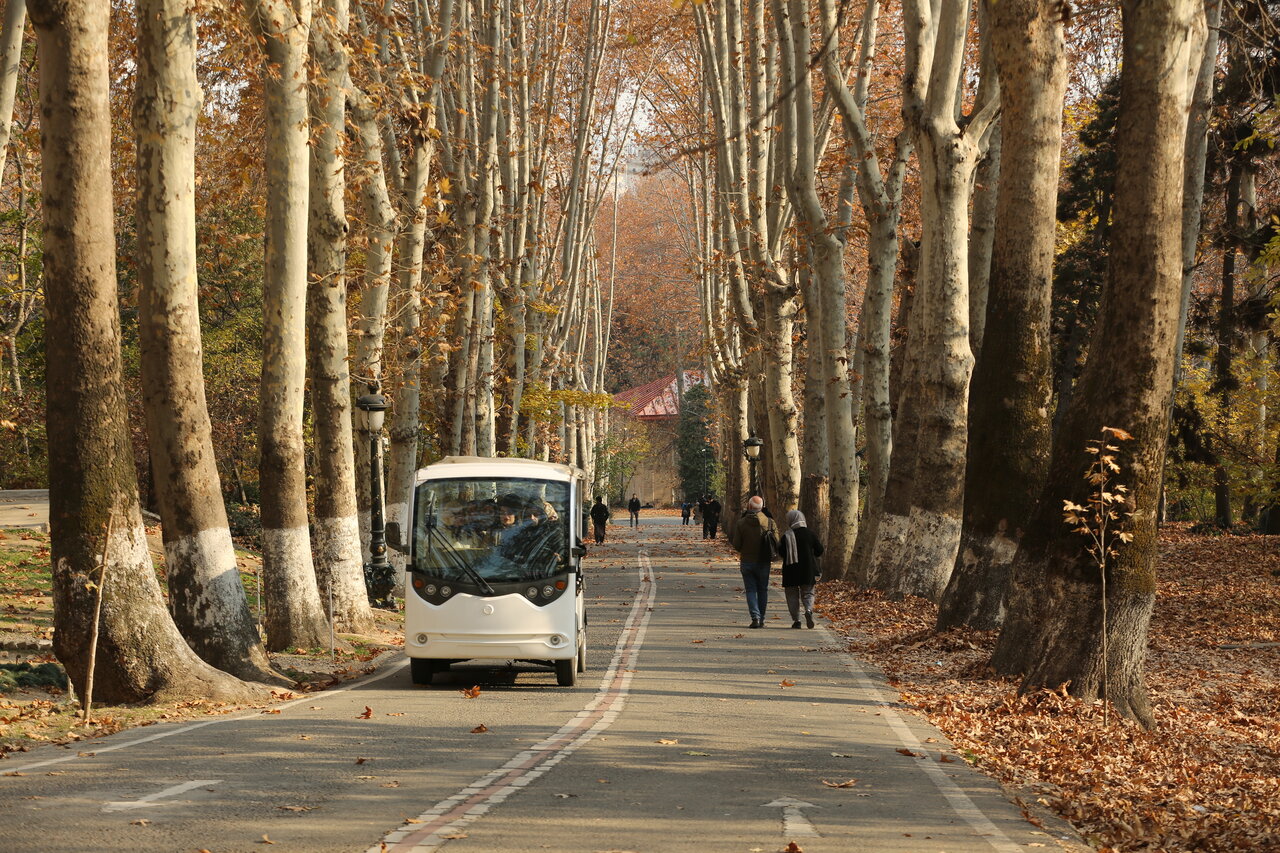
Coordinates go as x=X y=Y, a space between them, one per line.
x=657 y=479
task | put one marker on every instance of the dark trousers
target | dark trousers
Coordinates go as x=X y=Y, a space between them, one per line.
x=635 y=518
x=709 y=527
x=599 y=525
x=684 y=519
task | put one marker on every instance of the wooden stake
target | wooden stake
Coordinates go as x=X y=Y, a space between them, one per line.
x=97 y=616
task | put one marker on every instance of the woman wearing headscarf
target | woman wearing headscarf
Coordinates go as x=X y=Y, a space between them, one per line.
x=800 y=553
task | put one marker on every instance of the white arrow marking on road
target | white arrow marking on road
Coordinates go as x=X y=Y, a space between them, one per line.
x=793 y=822
x=150 y=799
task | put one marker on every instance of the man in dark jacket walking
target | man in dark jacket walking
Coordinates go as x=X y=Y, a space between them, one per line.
x=633 y=507
x=599 y=518
x=710 y=517
x=748 y=538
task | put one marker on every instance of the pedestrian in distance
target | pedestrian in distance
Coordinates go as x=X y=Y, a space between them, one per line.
x=686 y=509
x=599 y=518
x=800 y=553
x=633 y=507
x=755 y=538
x=710 y=517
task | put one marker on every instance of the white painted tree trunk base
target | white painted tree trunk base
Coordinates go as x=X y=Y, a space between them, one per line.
x=337 y=547
x=215 y=604
x=288 y=579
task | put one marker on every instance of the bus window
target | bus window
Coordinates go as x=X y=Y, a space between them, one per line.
x=493 y=530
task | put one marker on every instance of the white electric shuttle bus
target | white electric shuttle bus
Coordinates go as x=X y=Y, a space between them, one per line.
x=494 y=566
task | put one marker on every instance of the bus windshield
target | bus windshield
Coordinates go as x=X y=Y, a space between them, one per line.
x=499 y=530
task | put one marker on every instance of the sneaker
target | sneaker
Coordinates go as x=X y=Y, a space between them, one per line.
x=808 y=618
x=795 y=624
x=756 y=623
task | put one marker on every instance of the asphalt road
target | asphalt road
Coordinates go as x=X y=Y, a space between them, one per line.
x=688 y=733
x=24 y=508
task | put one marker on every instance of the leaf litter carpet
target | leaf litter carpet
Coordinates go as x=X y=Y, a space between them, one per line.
x=1207 y=778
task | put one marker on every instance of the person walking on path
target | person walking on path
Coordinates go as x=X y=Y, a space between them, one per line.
x=686 y=509
x=710 y=517
x=599 y=518
x=633 y=507
x=755 y=537
x=800 y=553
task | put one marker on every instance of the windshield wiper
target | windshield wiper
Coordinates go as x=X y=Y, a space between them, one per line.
x=459 y=562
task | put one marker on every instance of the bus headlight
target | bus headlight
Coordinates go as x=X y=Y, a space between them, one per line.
x=548 y=590
x=421 y=639
x=446 y=591
x=555 y=639
x=531 y=592
x=431 y=589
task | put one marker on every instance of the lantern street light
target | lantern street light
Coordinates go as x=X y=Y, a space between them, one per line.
x=379 y=579
x=751 y=449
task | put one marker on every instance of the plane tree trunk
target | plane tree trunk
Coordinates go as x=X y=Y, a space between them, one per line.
x=339 y=563
x=206 y=595
x=294 y=616
x=1009 y=423
x=93 y=486
x=1055 y=631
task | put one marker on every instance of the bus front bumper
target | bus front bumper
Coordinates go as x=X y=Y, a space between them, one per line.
x=494 y=647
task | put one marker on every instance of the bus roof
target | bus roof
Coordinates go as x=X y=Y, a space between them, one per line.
x=482 y=466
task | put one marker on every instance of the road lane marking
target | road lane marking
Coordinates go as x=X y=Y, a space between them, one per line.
x=959 y=801
x=150 y=799
x=794 y=823
x=446 y=818
x=94 y=749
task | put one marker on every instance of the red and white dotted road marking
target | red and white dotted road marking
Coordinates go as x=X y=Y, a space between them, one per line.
x=433 y=827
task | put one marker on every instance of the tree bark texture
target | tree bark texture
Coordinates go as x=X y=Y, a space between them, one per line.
x=294 y=615
x=339 y=561
x=948 y=152
x=1054 y=631
x=93 y=486
x=1009 y=404
x=206 y=596
x=15 y=19
x=371 y=325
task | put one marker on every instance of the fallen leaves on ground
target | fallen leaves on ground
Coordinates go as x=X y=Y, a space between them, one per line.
x=848 y=783
x=471 y=692
x=367 y=715
x=480 y=729
x=1204 y=779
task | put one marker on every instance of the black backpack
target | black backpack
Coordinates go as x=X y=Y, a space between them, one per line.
x=769 y=546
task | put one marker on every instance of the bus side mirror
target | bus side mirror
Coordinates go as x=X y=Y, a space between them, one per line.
x=394 y=541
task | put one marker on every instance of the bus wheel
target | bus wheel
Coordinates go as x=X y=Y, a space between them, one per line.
x=424 y=669
x=582 y=657
x=566 y=672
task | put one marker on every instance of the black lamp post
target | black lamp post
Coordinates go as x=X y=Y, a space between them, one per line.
x=379 y=579
x=751 y=448
x=706 y=484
